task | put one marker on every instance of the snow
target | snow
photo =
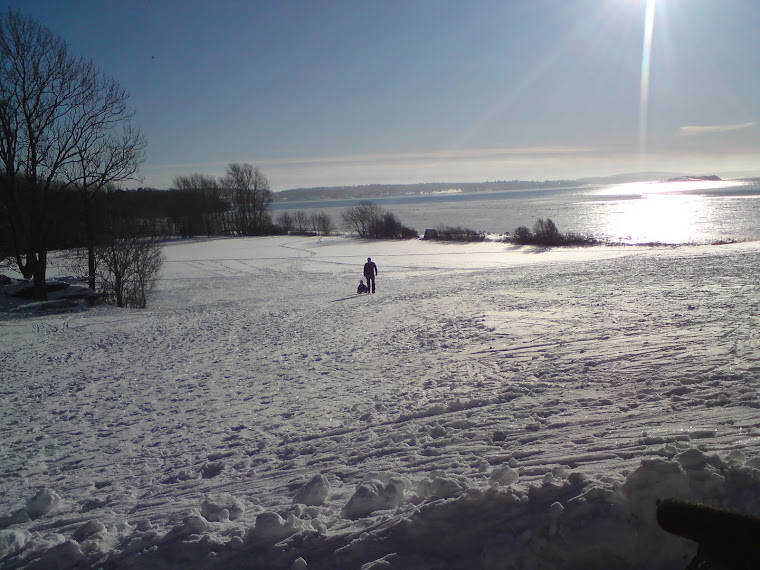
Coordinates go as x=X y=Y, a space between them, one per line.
x=490 y=407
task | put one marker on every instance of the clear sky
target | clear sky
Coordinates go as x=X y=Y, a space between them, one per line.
x=319 y=92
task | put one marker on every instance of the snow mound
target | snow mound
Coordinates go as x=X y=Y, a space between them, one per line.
x=271 y=527
x=222 y=507
x=42 y=503
x=374 y=496
x=314 y=492
x=11 y=541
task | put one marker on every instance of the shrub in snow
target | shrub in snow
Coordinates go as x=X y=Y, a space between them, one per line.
x=374 y=496
x=523 y=235
x=128 y=267
x=371 y=221
x=42 y=503
x=458 y=233
x=314 y=492
x=545 y=232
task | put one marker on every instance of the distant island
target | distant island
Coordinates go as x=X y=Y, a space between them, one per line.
x=710 y=178
x=374 y=191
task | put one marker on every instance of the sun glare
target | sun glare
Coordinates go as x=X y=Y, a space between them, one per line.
x=646 y=58
x=672 y=210
x=674 y=187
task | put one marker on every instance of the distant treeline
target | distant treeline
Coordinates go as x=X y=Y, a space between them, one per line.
x=370 y=191
x=158 y=213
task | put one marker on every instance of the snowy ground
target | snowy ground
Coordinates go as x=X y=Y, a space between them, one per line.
x=489 y=407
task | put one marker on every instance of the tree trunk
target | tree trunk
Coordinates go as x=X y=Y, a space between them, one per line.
x=23 y=267
x=38 y=266
x=92 y=266
x=90 y=233
x=118 y=287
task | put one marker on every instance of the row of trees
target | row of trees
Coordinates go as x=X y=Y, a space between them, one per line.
x=64 y=125
x=66 y=142
x=235 y=204
x=239 y=204
x=302 y=223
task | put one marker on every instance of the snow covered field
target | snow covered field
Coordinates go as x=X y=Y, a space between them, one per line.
x=490 y=407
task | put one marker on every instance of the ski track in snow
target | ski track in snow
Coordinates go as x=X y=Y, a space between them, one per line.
x=246 y=376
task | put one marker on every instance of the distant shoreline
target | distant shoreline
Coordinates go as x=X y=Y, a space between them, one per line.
x=378 y=191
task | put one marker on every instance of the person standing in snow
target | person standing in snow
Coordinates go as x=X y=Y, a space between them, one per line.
x=370 y=270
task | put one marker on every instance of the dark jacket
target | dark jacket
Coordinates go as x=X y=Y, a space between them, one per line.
x=370 y=269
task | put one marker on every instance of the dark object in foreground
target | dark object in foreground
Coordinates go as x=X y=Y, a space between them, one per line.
x=726 y=539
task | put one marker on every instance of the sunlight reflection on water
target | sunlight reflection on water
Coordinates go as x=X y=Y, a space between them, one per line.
x=696 y=211
x=663 y=218
x=664 y=212
x=668 y=187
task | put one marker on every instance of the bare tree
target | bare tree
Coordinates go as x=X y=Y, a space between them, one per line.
x=206 y=210
x=250 y=197
x=301 y=222
x=285 y=220
x=195 y=182
x=55 y=110
x=545 y=232
x=129 y=257
x=109 y=151
x=322 y=223
x=369 y=220
x=362 y=218
x=128 y=267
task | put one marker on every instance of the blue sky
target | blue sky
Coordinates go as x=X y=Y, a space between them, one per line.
x=398 y=91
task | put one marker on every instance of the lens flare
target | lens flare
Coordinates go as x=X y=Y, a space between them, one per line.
x=646 y=57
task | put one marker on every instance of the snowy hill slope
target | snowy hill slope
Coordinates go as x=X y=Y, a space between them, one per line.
x=489 y=407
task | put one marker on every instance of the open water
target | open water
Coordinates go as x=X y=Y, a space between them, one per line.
x=652 y=212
